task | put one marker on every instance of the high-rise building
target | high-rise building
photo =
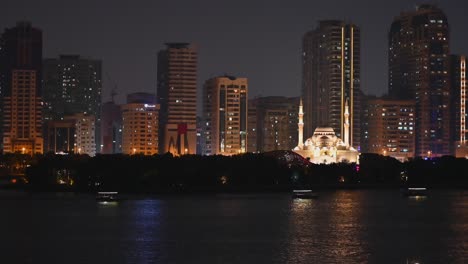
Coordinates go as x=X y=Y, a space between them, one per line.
x=274 y=123
x=225 y=114
x=140 y=124
x=72 y=85
x=330 y=77
x=111 y=128
x=177 y=96
x=390 y=129
x=20 y=89
x=458 y=104
x=419 y=65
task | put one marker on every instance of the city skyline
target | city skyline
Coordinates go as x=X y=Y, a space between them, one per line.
x=236 y=48
x=206 y=131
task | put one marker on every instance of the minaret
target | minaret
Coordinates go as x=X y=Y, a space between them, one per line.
x=300 y=125
x=346 y=124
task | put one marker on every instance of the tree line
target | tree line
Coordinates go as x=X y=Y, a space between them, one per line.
x=274 y=171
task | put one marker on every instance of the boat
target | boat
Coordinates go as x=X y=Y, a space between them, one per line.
x=304 y=194
x=415 y=192
x=107 y=196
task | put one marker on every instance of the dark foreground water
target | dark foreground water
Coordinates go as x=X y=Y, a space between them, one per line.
x=339 y=227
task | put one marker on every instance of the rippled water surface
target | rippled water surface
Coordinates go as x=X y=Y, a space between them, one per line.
x=339 y=227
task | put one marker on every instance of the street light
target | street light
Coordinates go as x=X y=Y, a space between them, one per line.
x=24 y=149
x=134 y=151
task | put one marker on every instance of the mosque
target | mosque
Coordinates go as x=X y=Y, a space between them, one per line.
x=324 y=147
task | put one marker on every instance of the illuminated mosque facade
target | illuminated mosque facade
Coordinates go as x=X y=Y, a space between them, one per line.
x=324 y=147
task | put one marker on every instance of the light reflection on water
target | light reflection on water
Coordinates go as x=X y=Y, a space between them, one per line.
x=338 y=227
x=141 y=241
x=326 y=230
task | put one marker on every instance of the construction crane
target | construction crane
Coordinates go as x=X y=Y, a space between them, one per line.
x=113 y=91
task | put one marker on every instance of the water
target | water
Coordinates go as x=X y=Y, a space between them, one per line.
x=339 y=227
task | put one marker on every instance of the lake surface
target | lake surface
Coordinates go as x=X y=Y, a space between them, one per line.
x=340 y=227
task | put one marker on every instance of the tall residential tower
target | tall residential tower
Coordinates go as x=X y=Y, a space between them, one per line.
x=177 y=96
x=73 y=85
x=225 y=114
x=330 y=77
x=20 y=89
x=419 y=65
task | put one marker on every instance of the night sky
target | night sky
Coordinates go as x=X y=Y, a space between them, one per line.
x=260 y=40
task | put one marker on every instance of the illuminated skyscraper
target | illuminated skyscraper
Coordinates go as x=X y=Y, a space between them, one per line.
x=225 y=114
x=331 y=76
x=20 y=89
x=419 y=65
x=177 y=96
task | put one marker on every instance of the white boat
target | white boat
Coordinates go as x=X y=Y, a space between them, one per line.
x=107 y=196
x=304 y=194
x=414 y=192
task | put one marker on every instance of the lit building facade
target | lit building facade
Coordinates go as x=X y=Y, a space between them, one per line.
x=419 y=65
x=331 y=76
x=459 y=102
x=72 y=85
x=140 y=124
x=391 y=128
x=177 y=96
x=225 y=114
x=272 y=123
x=85 y=134
x=20 y=89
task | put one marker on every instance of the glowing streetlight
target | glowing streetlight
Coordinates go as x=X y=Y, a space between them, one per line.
x=186 y=150
x=24 y=149
x=134 y=151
